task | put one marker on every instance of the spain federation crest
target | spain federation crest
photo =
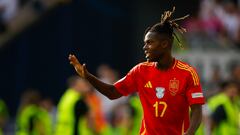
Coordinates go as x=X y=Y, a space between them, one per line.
x=160 y=92
x=173 y=86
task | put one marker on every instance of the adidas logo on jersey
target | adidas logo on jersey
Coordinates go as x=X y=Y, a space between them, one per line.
x=148 y=85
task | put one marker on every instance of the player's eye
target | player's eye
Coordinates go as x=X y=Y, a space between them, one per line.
x=149 y=42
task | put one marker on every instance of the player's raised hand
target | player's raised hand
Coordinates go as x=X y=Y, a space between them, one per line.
x=80 y=69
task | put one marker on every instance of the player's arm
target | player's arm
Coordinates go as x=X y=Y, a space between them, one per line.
x=195 y=100
x=106 y=89
x=195 y=120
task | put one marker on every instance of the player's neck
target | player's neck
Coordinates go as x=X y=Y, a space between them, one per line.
x=165 y=63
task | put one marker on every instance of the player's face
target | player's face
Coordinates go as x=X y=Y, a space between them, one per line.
x=154 y=46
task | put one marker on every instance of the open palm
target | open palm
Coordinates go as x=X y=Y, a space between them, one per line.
x=80 y=69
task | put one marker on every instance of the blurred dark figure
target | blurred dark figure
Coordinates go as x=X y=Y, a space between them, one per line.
x=31 y=118
x=8 y=10
x=125 y=117
x=108 y=75
x=3 y=26
x=3 y=116
x=137 y=114
x=48 y=105
x=225 y=111
x=231 y=20
x=121 y=119
x=213 y=85
x=23 y=2
x=72 y=109
x=235 y=73
x=96 y=119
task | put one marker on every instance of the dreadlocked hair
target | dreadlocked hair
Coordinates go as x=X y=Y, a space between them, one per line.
x=167 y=25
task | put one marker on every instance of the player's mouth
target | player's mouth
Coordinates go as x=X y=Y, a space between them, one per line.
x=147 y=54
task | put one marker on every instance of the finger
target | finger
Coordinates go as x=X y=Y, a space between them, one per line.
x=84 y=66
x=70 y=57
x=73 y=59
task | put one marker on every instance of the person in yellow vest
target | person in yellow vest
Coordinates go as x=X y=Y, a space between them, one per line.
x=3 y=115
x=121 y=119
x=49 y=110
x=137 y=114
x=224 y=111
x=72 y=109
x=31 y=118
x=126 y=116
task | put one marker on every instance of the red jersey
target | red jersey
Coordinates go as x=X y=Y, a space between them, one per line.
x=165 y=96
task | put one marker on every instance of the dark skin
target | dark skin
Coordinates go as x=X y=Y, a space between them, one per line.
x=157 y=48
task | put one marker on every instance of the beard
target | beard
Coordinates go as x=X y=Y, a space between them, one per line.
x=155 y=57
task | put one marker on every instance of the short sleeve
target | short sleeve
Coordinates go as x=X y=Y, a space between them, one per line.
x=127 y=84
x=194 y=89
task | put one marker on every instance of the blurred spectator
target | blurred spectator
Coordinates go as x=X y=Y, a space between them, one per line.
x=235 y=73
x=2 y=23
x=202 y=34
x=8 y=9
x=214 y=82
x=107 y=74
x=96 y=120
x=137 y=114
x=194 y=31
x=73 y=109
x=3 y=116
x=110 y=76
x=224 y=111
x=31 y=118
x=23 y=2
x=48 y=105
x=121 y=119
x=231 y=20
x=228 y=13
x=204 y=128
x=216 y=24
x=125 y=117
x=210 y=23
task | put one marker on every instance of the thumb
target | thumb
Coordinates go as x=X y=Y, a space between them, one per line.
x=84 y=67
x=85 y=70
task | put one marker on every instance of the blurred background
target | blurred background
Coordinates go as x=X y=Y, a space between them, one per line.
x=36 y=37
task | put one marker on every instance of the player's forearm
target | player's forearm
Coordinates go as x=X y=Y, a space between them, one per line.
x=106 y=89
x=196 y=119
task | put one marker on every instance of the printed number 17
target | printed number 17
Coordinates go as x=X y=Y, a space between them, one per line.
x=156 y=106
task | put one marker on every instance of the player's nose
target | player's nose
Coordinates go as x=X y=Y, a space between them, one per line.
x=145 y=47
